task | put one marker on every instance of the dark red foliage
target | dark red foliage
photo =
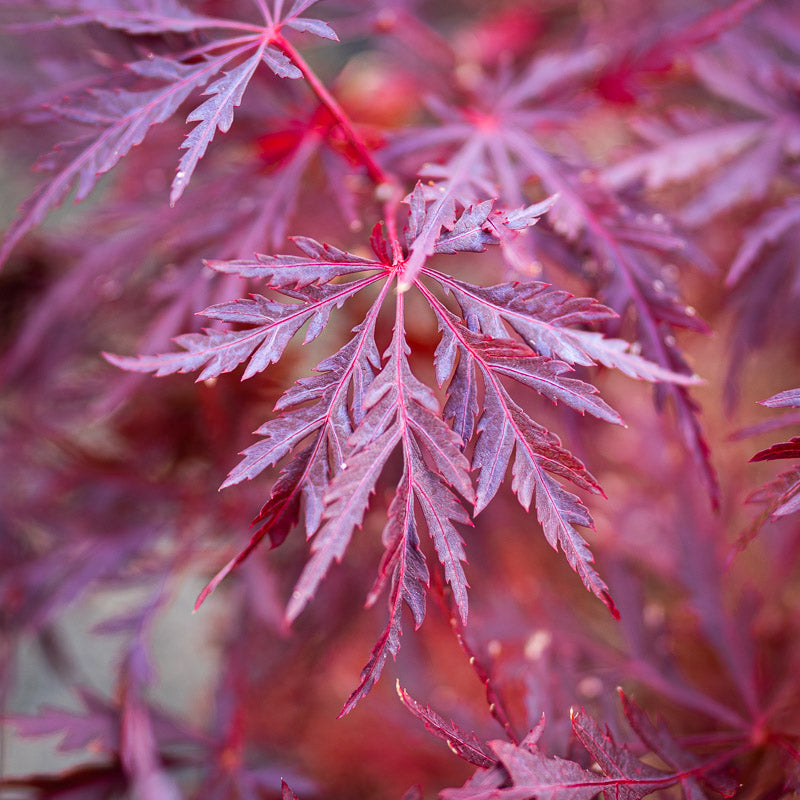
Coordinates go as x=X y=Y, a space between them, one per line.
x=497 y=209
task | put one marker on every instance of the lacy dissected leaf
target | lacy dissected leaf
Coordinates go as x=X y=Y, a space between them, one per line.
x=541 y=316
x=504 y=428
x=346 y=422
x=125 y=116
x=547 y=376
x=346 y=501
x=143 y=16
x=753 y=73
x=766 y=268
x=274 y=324
x=468 y=234
x=790 y=449
x=683 y=158
x=327 y=410
x=404 y=563
x=463 y=744
x=790 y=398
x=637 y=283
x=745 y=154
x=215 y=113
x=523 y=771
x=631 y=248
x=162 y=16
x=782 y=495
x=322 y=264
x=534 y=774
x=227 y=92
x=629 y=778
x=479 y=225
x=425 y=225
x=315 y=408
x=434 y=228
x=399 y=409
x=686 y=765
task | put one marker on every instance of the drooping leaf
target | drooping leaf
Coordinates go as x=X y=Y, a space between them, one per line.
x=322 y=264
x=225 y=94
x=505 y=428
x=547 y=778
x=125 y=118
x=780 y=496
x=542 y=316
x=403 y=563
x=275 y=324
x=463 y=744
x=790 y=449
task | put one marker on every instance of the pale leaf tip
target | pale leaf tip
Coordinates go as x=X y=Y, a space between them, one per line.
x=294 y=608
x=200 y=600
x=211 y=586
x=214 y=582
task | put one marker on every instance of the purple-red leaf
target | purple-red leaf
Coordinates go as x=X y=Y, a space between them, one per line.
x=463 y=744
x=274 y=324
x=280 y=63
x=513 y=360
x=346 y=502
x=404 y=562
x=542 y=316
x=534 y=774
x=215 y=113
x=314 y=26
x=504 y=427
x=790 y=449
x=630 y=778
x=166 y=15
x=781 y=495
x=687 y=766
x=322 y=264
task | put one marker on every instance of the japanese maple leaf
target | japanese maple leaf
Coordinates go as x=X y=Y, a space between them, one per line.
x=224 y=65
x=338 y=429
x=523 y=771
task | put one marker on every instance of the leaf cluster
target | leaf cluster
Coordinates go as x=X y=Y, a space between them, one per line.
x=488 y=233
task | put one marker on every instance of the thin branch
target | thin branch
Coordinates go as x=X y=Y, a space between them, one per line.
x=374 y=170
